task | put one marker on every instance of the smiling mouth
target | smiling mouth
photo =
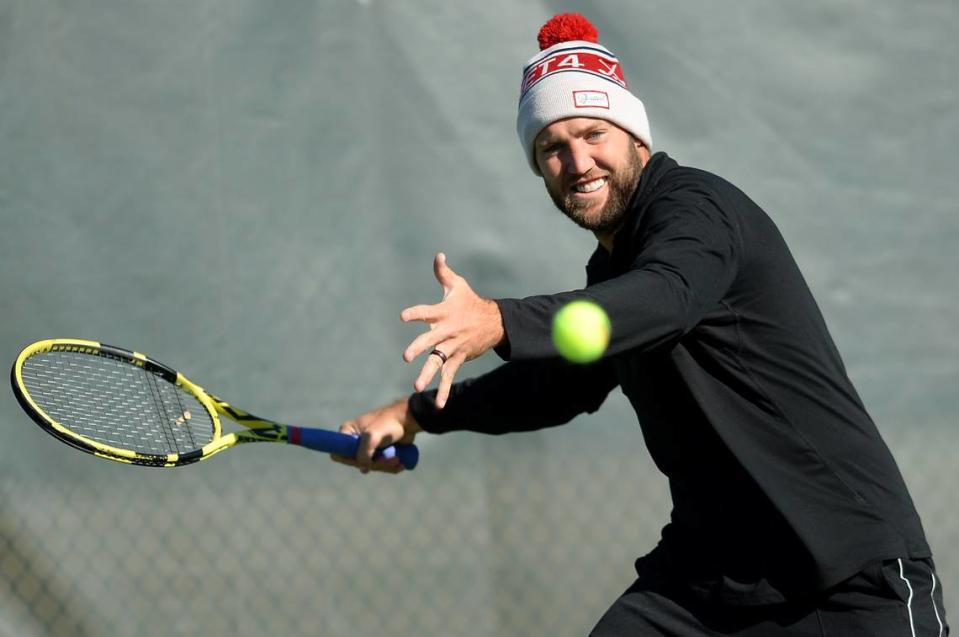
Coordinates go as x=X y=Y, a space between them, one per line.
x=589 y=186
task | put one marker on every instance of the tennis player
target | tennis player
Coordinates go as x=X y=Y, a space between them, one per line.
x=790 y=516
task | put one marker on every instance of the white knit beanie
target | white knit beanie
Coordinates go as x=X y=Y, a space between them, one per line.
x=574 y=76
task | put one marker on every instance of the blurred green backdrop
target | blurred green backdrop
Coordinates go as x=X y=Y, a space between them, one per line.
x=251 y=191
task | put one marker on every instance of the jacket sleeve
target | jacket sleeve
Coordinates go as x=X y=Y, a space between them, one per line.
x=517 y=396
x=685 y=262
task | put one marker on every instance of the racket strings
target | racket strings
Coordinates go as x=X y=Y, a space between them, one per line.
x=184 y=416
x=166 y=428
x=116 y=403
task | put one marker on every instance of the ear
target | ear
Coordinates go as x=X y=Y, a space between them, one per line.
x=642 y=149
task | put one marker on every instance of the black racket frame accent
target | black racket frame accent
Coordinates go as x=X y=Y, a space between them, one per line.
x=117 y=353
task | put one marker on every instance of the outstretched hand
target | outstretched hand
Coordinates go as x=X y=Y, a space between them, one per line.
x=462 y=326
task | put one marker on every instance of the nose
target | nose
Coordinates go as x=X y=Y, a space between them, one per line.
x=579 y=159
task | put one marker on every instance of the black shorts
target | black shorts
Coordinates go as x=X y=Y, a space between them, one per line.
x=898 y=598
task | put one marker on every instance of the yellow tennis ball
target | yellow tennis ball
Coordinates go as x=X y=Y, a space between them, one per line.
x=581 y=331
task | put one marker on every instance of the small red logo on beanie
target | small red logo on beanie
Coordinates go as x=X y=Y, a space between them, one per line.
x=565 y=27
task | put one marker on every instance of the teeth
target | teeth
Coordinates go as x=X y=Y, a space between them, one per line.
x=591 y=186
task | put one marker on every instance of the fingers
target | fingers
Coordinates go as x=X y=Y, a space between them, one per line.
x=424 y=342
x=444 y=274
x=364 y=454
x=368 y=444
x=425 y=313
x=447 y=374
x=350 y=427
x=432 y=365
x=380 y=465
x=448 y=279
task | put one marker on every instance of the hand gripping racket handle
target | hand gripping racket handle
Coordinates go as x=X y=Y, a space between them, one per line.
x=347 y=445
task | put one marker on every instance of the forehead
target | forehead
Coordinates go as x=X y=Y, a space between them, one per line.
x=572 y=127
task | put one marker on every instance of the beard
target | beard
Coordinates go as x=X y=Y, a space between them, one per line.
x=620 y=184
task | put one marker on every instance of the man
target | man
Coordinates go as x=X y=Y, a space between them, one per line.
x=789 y=516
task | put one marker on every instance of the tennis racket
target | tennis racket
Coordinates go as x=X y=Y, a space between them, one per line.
x=120 y=405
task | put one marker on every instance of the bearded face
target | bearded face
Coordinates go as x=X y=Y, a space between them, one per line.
x=593 y=213
x=591 y=168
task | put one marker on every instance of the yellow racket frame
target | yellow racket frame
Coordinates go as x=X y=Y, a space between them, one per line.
x=258 y=429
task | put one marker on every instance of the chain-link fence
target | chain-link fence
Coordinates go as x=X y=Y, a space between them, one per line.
x=487 y=537
x=524 y=535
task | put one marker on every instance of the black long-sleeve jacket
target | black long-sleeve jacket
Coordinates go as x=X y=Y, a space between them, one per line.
x=781 y=483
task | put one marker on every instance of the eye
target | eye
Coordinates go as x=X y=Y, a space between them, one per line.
x=550 y=149
x=596 y=135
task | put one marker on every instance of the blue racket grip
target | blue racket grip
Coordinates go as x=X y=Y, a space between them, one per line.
x=347 y=445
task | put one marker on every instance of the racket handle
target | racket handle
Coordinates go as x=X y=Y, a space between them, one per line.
x=347 y=445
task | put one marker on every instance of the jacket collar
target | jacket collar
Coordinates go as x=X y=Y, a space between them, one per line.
x=657 y=166
x=603 y=264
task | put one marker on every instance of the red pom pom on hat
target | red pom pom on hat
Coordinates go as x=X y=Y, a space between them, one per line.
x=565 y=27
